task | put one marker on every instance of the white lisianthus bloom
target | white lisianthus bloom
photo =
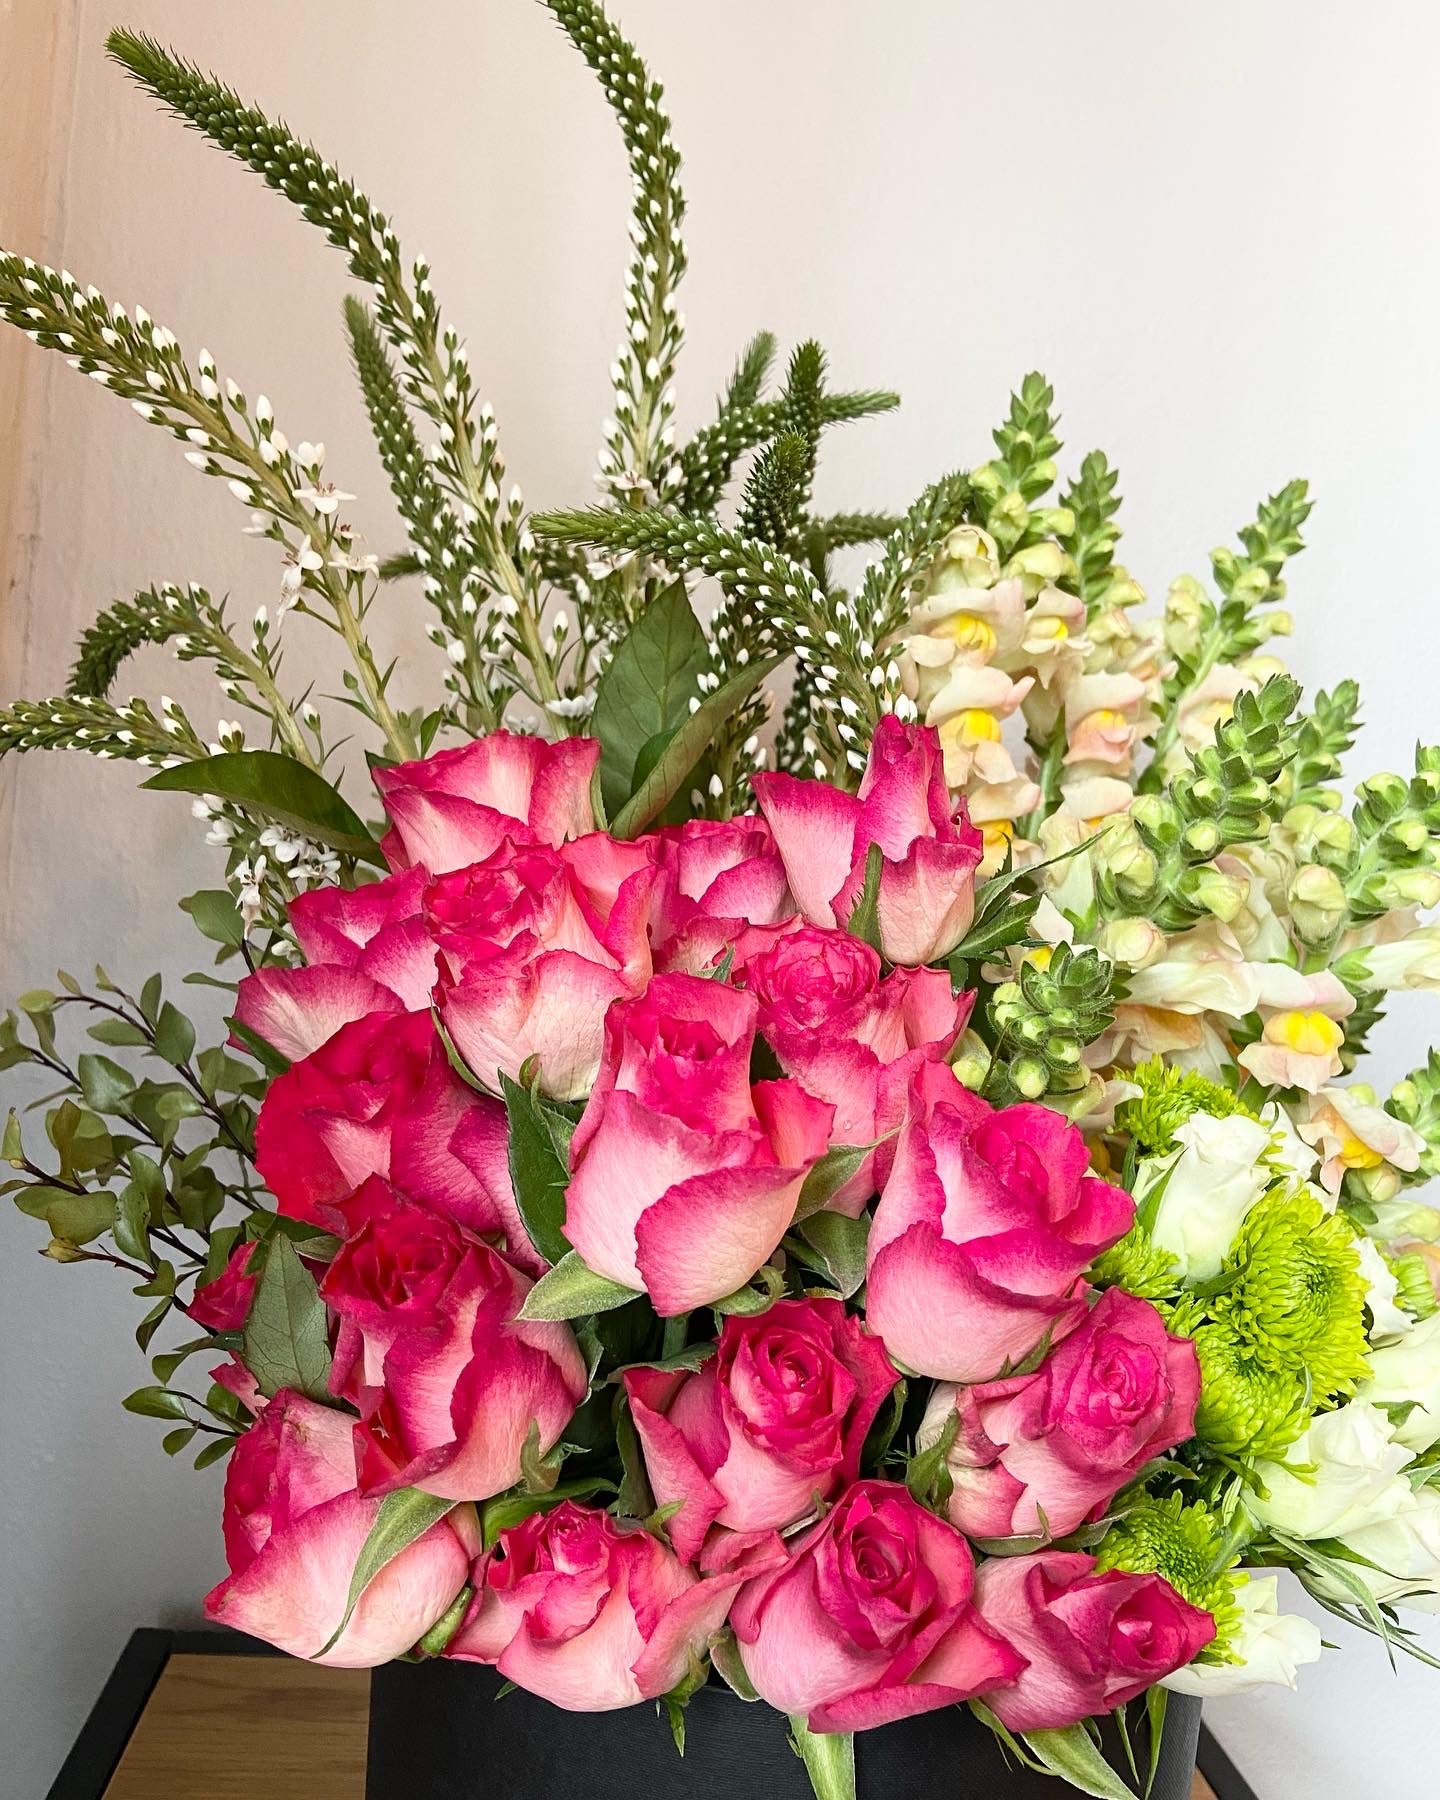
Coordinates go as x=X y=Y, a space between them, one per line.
x=1409 y=1370
x=1270 y=1647
x=1352 y=1476
x=1387 y=1320
x=1405 y=1551
x=1213 y=1181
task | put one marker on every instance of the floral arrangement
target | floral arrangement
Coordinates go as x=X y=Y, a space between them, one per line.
x=865 y=1196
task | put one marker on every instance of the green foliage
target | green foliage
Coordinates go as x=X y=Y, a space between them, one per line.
x=645 y=691
x=403 y=1519
x=286 y=1341
x=1415 y=1101
x=1322 y=736
x=1007 y=488
x=1043 y=1021
x=571 y=1291
x=1092 y=503
x=1254 y=576
x=538 y=1150
x=276 y=787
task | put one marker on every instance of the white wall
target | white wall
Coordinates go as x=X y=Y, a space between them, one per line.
x=1214 y=228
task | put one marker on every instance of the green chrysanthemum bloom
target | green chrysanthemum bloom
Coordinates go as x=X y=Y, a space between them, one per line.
x=1138 y=1265
x=1186 y=1545
x=1299 y=1299
x=1168 y=1097
x=1245 y=1407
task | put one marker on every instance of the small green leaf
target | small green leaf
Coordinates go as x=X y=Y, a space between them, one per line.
x=12 y=1150
x=725 y=1658
x=216 y=916
x=829 y=1758
x=117 y=1032
x=279 y=788
x=269 y=1058
x=404 y=1517
x=539 y=1171
x=285 y=1344
x=213 y=1451
x=104 y=1083
x=155 y=1403
x=686 y=748
x=570 y=1290
x=838 y=1244
x=839 y=1164
x=1071 y=1754
x=132 y=1222
x=174 y=1036
x=645 y=690
x=79 y=1218
x=864 y=920
x=507 y=1510
x=445 y=1627
x=175 y=1441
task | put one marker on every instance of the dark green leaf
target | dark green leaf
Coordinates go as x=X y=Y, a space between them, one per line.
x=570 y=1290
x=132 y=1222
x=686 y=748
x=117 y=1032
x=175 y=1441
x=645 y=691
x=539 y=1172
x=213 y=1451
x=216 y=916
x=838 y=1244
x=507 y=1510
x=268 y=1057
x=864 y=920
x=279 y=788
x=404 y=1517
x=285 y=1342
x=837 y=1166
x=155 y=1403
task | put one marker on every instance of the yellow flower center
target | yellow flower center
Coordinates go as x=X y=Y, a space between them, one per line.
x=1039 y=957
x=1048 y=626
x=1355 y=1153
x=996 y=834
x=968 y=630
x=1307 y=1033
x=971 y=725
x=1103 y=719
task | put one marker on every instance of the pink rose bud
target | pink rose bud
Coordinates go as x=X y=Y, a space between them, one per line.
x=366 y=950
x=929 y=849
x=1037 y=1454
x=1090 y=1642
x=591 y=1613
x=721 y=889
x=530 y=958
x=294 y=1528
x=684 y=1175
x=871 y=1618
x=771 y=1423
x=224 y=1303
x=986 y=1225
x=851 y=1038
x=453 y=808
x=447 y=1383
x=380 y=1098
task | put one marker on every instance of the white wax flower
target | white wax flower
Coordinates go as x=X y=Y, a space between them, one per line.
x=1409 y=1370
x=1352 y=1476
x=1270 y=1645
x=1214 y=1181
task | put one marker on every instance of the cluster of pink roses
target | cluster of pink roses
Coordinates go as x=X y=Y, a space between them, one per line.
x=642 y=978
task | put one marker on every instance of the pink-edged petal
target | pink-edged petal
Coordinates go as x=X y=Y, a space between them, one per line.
x=295 y=1011
x=589 y=1673
x=785 y=1619
x=401 y=957
x=674 y=1472
x=706 y=1236
x=970 y=1659
x=293 y=1593
x=936 y=1315
x=334 y=924
x=560 y=798
x=813 y=825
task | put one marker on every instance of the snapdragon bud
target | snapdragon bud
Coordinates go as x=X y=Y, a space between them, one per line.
x=1318 y=905
x=1135 y=942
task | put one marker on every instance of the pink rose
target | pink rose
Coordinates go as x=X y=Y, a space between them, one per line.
x=930 y=851
x=986 y=1225
x=684 y=1175
x=1091 y=1642
x=224 y=1303
x=380 y=1098
x=851 y=1038
x=294 y=1527
x=530 y=958
x=721 y=887
x=453 y=808
x=870 y=1619
x=447 y=1383
x=772 y=1422
x=1039 y=1453
x=366 y=950
x=591 y=1613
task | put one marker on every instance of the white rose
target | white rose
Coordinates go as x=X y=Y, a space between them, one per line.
x=1405 y=1551
x=1269 y=1644
x=1213 y=1181
x=1387 y=1319
x=1409 y=1370
x=1356 y=1476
